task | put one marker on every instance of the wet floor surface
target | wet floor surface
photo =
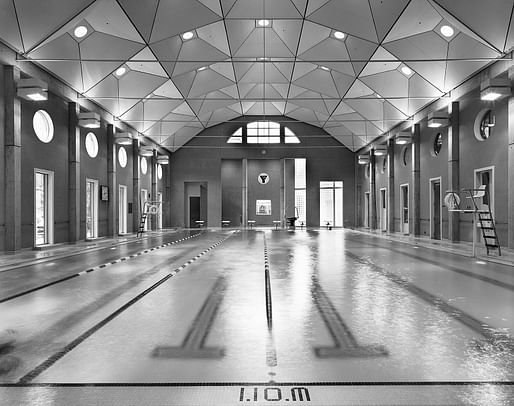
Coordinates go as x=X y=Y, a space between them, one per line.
x=254 y=317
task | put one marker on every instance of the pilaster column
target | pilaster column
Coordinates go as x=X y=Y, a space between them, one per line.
x=510 y=172
x=153 y=175
x=136 y=186
x=244 y=191
x=166 y=169
x=73 y=173
x=453 y=169
x=390 y=185
x=373 y=189
x=416 y=186
x=12 y=145
x=112 y=211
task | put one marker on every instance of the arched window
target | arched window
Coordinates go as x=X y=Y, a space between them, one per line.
x=263 y=132
x=290 y=137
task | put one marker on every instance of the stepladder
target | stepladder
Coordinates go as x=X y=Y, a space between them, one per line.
x=150 y=208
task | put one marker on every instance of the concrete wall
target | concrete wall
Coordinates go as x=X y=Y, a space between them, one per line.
x=201 y=159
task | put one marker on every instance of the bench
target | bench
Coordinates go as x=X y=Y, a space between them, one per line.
x=251 y=223
x=199 y=223
x=225 y=223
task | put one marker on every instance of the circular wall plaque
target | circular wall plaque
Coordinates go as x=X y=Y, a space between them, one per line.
x=263 y=178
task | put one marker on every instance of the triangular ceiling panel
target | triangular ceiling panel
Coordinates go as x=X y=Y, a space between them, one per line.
x=100 y=46
x=319 y=80
x=94 y=72
x=140 y=62
x=214 y=5
x=263 y=42
x=313 y=34
x=264 y=9
x=206 y=81
x=142 y=14
x=385 y=14
x=215 y=35
x=9 y=29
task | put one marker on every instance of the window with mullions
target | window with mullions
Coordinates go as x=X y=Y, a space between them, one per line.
x=263 y=132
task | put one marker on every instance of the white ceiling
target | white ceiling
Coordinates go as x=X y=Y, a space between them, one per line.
x=164 y=96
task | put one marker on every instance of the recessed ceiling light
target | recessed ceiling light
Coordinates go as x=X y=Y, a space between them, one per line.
x=447 y=31
x=188 y=35
x=263 y=23
x=202 y=68
x=325 y=68
x=406 y=70
x=120 y=71
x=339 y=35
x=378 y=96
x=80 y=31
x=263 y=58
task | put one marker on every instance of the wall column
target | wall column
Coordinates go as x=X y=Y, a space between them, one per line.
x=153 y=175
x=73 y=173
x=373 y=190
x=168 y=199
x=416 y=186
x=112 y=211
x=136 y=187
x=510 y=166
x=244 y=190
x=453 y=169
x=12 y=145
x=390 y=185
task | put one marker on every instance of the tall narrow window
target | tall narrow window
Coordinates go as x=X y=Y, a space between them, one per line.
x=300 y=185
x=331 y=203
x=91 y=208
x=43 y=207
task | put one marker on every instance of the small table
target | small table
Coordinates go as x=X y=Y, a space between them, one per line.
x=277 y=223
x=327 y=223
x=251 y=223
x=199 y=223
x=225 y=223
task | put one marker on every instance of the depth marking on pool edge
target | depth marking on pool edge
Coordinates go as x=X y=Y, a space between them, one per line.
x=85 y=272
x=69 y=347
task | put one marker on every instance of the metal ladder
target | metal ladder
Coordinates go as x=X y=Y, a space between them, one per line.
x=142 y=222
x=485 y=219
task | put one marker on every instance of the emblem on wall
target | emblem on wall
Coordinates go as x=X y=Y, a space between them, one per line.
x=263 y=178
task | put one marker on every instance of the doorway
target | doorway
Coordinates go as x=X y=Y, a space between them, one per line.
x=122 y=209
x=43 y=207
x=194 y=210
x=484 y=176
x=144 y=199
x=383 y=209
x=435 y=208
x=366 y=210
x=159 y=211
x=404 y=207
x=91 y=208
x=331 y=203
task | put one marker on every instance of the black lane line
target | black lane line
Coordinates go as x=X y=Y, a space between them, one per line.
x=69 y=347
x=267 y=283
x=474 y=275
x=469 y=321
x=201 y=384
x=102 y=266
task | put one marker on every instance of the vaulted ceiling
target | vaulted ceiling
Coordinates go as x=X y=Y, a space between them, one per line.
x=340 y=65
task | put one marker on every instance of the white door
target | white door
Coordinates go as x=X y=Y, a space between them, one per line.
x=91 y=208
x=122 y=216
x=383 y=209
x=159 y=213
x=404 y=207
x=331 y=203
x=144 y=199
x=43 y=207
x=366 y=210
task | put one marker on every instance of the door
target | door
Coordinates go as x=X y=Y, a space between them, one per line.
x=122 y=210
x=159 y=212
x=194 y=210
x=435 y=209
x=91 y=208
x=404 y=207
x=144 y=199
x=485 y=176
x=43 y=207
x=331 y=203
x=383 y=209
x=366 y=210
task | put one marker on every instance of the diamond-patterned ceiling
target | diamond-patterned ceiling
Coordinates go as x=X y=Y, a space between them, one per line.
x=355 y=68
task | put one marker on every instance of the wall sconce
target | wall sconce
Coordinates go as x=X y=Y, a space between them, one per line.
x=89 y=120
x=146 y=151
x=380 y=150
x=163 y=160
x=32 y=89
x=436 y=120
x=494 y=89
x=123 y=139
x=363 y=159
x=403 y=138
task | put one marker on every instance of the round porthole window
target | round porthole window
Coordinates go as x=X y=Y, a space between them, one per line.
x=159 y=172
x=484 y=124
x=405 y=155
x=91 y=145
x=144 y=165
x=122 y=157
x=438 y=144
x=43 y=126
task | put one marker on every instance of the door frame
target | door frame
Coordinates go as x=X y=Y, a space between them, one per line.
x=431 y=183
x=124 y=209
x=95 y=207
x=50 y=205
x=402 y=222
x=478 y=171
x=383 y=210
x=367 y=203
x=142 y=205
x=159 y=212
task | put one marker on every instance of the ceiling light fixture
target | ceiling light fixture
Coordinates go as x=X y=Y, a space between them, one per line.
x=406 y=70
x=403 y=138
x=146 y=151
x=89 y=120
x=120 y=71
x=325 y=68
x=380 y=150
x=188 y=35
x=339 y=35
x=263 y=23
x=494 y=89
x=363 y=159
x=447 y=31
x=123 y=139
x=163 y=160
x=80 y=31
x=436 y=120
x=202 y=68
x=32 y=89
